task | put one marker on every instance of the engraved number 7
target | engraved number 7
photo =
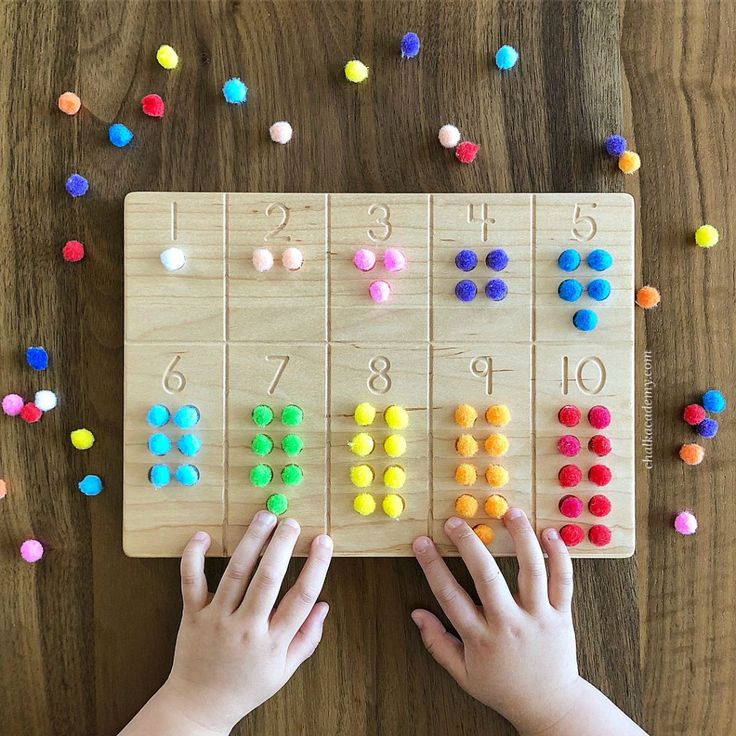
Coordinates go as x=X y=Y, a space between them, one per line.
x=283 y=362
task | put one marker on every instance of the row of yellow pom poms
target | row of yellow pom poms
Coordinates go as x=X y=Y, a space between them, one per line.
x=362 y=444
x=396 y=417
x=392 y=504
x=394 y=476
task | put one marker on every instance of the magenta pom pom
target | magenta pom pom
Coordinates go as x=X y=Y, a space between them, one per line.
x=380 y=291
x=394 y=260
x=364 y=259
x=31 y=550
x=686 y=523
x=13 y=404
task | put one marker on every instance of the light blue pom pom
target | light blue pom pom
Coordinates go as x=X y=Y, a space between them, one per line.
x=159 y=475
x=235 y=92
x=506 y=57
x=159 y=444
x=187 y=475
x=714 y=401
x=187 y=417
x=119 y=135
x=189 y=445
x=91 y=485
x=158 y=415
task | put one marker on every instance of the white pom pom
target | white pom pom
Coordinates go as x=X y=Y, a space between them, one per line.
x=281 y=132
x=262 y=259
x=45 y=400
x=449 y=136
x=173 y=259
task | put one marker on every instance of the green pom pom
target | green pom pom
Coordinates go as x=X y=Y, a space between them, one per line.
x=292 y=444
x=261 y=475
x=262 y=415
x=292 y=475
x=261 y=444
x=292 y=415
x=277 y=504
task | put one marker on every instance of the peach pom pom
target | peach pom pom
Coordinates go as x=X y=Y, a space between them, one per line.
x=465 y=474
x=69 y=103
x=692 y=454
x=465 y=416
x=262 y=259
x=466 y=445
x=292 y=258
x=281 y=132
x=647 y=297
x=496 y=506
x=466 y=506
x=498 y=415
x=629 y=162
x=485 y=533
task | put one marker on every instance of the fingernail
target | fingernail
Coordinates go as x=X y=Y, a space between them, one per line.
x=551 y=534
x=514 y=513
x=325 y=611
x=453 y=522
x=293 y=523
x=323 y=540
x=263 y=518
x=201 y=536
x=421 y=544
x=416 y=617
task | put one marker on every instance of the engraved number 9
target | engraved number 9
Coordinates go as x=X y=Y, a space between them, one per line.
x=482 y=367
x=379 y=381
x=173 y=381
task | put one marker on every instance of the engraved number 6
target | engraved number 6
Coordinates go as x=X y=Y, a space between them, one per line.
x=173 y=381
x=383 y=214
x=578 y=218
x=379 y=381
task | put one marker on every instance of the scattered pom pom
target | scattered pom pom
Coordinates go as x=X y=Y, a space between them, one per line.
x=262 y=260
x=292 y=259
x=410 y=45
x=261 y=445
x=599 y=289
x=45 y=400
x=615 y=145
x=31 y=550
x=466 y=506
x=356 y=71
x=73 y=251
x=465 y=416
x=449 y=136
x=394 y=477
x=506 y=57
x=277 y=503
x=396 y=417
x=572 y=535
x=692 y=454
x=647 y=297
x=364 y=414
x=119 y=135
x=281 y=132
x=585 y=320
x=568 y=445
x=91 y=485
x=714 y=401
x=496 y=506
x=261 y=475
x=706 y=236
x=364 y=259
x=82 y=439
x=158 y=415
x=159 y=444
x=570 y=290
x=496 y=476
x=379 y=291
x=569 y=415
x=13 y=404
x=599 y=505
x=69 y=103
x=499 y=415
x=497 y=259
x=173 y=259
x=153 y=106
x=599 y=260
x=599 y=417
x=394 y=445
x=292 y=445
x=496 y=445
x=466 y=474
x=234 y=91
x=362 y=444
x=466 y=152
x=167 y=57
x=484 y=533
x=187 y=475
x=187 y=417
x=292 y=475
x=393 y=505
x=364 y=504
x=394 y=260
x=496 y=290
x=465 y=290
x=599 y=535
x=707 y=428
x=37 y=358
x=629 y=162
x=76 y=185
x=361 y=476
x=189 y=445
x=570 y=506
x=3 y=489
x=159 y=476
x=466 y=445
x=30 y=413
x=599 y=445
x=693 y=414
x=292 y=415
x=570 y=476
x=686 y=523
x=569 y=260
x=600 y=475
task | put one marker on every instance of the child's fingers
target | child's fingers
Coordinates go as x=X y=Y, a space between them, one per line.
x=193 y=581
x=240 y=568
x=560 y=570
x=307 y=637
x=300 y=599
x=443 y=646
x=532 y=572
x=455 y=602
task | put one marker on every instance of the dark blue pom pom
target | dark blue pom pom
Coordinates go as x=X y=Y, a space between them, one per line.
x=496 y=289
x=707 y=428
x=570 y=290
x=585 y=320
x=465 y=290
x=497 y=259
x=37 y=358
x=76 y=185
x=569 y=260
x=615 y=145
x=599 y=289
x=600 y=260
x=466 y=260
x=410 y=45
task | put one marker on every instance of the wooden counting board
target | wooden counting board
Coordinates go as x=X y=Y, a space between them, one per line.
x=225 y=338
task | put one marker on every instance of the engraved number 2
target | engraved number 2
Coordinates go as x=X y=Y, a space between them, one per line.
x=379 y=380
x=382 y=213
x=173 y=381
x=283 y=362
x=482 y=367
x=584 y=227
x=283 y=210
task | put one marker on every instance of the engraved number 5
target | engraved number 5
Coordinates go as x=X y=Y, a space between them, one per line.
x=589 y=226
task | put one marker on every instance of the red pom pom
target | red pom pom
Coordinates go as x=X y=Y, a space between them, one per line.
x=599 y=445
x=569 y=476
x=600 y=475
x=569 y=415
x=693 y=414
x=600 y=535
x=571 y=506
x=599 y=505
x=153 y=106
x=568 y=445
x=599 y=417
x=30 y=413
x=572 y=534
x=73 y=251
x=466 y=152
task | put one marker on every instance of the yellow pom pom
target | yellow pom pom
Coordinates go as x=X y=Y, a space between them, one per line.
x=466 y=506
x=706 y=236
x=393 y=505
x=364 y=504
x=485 y=533
x=498 y=415
x=82 y=439
x=629 y=162
x=465 y=474
x=496 y=506
x=356 y=71
x=497 y=445
x=497 y=476
x=167 y=57
x=362 y=444
x=394 y=477
x=466 y=445
x=364 y=414
x=396 y=417
x=465 y=416
x=394 y=445
x=361 y=475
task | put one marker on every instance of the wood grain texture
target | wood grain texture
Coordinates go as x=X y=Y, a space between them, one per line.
x=88 y=635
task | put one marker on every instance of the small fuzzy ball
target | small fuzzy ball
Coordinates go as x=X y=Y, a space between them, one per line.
x=153 y=106
x=364 y=504
x=466 y=506
x=615 y=145
x=465 y=416
x=686 y=523
x=277 y=503
x=585 y=320
x=599 y=259
x=187 y=475
x=261 y=475
x=599 y=417
x=394 y=477
x=189 y=445
x=82 y=439
x=496 y=506
x=262 y=415
x=76 y=185
x=466 y=290
x=292 y=445
x=364 y=259
x=599 y=505
x=364 y=414
x=30 y=413
x=497 y=476
x=158 y=415
x=159 y=444
x=599 y=535
x=496 y=290
x=647 y=297
x=410 y=45
x=706 y=236
x=392 y=505
x=361 y=476
x=73 y=251
x=600 y=475
x=629 y=162
x=119 y=135
x=91 y=485
x=281 y=132
x=466 y=445
x=466 y=152
x=568 y=445
x=159 y=476
x=3 y=489
x=692 y=454
x=571 y=506
x=572 y=535
x=506 y=57
x=262 y=260
x=496 y=445
x=599 y=445
x=599 y=289
x=396 y=417
x=465 y=474
x=292 y=415
x=499 y=415
x=172 y=259
x=569 y=415
x=707 y=428
x=167 y=57
x=714 y=401
x=394 y=260
x=362 y=444
x=570 y=476
x=69 y=103
x=31 y=550
x=394 y=445
x=693 y=414
x=292 y=475
x=292 y=259
x=449 y=136
x=570 y=290
x=379 y=291
x=261 y=445
x=356 y=71
x=234 y=91
x=37 y=358
x=484 y=533
x=45 y=400
x=497 y=259
x=569 y=260
x=187 y=417
x=13 y=404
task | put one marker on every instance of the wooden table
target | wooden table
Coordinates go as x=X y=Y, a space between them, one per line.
x=87 y=635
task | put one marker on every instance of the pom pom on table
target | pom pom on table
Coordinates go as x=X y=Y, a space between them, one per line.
x=261 y=445
x=73 y=251
x=496 y=445
x=189 y=445
x=572 y=535
x=364 y=414
x=569 y=416
x=496 y=506
x=449 y=136
x=629 y=162
x=465 y=474
x=707 y=428
x=30 y=413
x=465 y=416
x=159 y=476
x=599 y=505
x=234 y=91
x=648 y=297
x=13 y=404
x=691 y=454
x=599 y=289
x=686 y=523
x=499 y=415
x=568 y=445
x=82 y=439
x=569 y=260
x=37 y=358
x=91 y=485
x=570 y=290
x=410 y=45
x=364 y=504
x=466 y=506
x=69 y=103
x=466 y=445
x=76 y=185
x=261 y=475
x=364 y=259
x=3 y=489
x=292 y=445
x=153 y=106
x=187 y=475
x=187 y=417
x=392 y=505
x=466 y=290
x=119 y=135
x=158 y=415
x=466 y=152
x=599 y=535
x=571 y=506
x=396 y=417
x=496 y=290
x=45 y=400
x=585 y=320
x=167 y=57
x=31 y=550
x=706 y=236
x=599 y=259
x=600 y=475
x=281 y=132
x=693 y=414
x=292 y=475
x=159 y=444
x=394 y=477
x=714 y=401
x=570 y=476
x=615 y=145
x=497 y=259
x=394 y=445
x=292 y=415
x=277 y=503
x=394 y=260
x=379 y=291
x=362 y=444
x=599 y=417
x=356 y=71
x=506 y=57
x=292 y=259
x=496 y=476
x=173 y=258
x=262 y=260
x=484 y=533
x=361 y=476
x=599 y=445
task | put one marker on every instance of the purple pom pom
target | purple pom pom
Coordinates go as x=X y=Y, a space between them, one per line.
x=466 y=260
x=410 y=45
x=465 y=290
x=707 y=428
x=497 y=259
x=496 y=289
x=615 y=145
x=77 y=185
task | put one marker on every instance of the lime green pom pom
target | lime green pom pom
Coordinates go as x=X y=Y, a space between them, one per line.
x=277 y=504
x=292 y=444
x=262 y=415
x=292 y=475
x=356 y=71
x=167 y=57
x=261 y=444
x=261 y=475
x=292 y=415
x=706 y=236
x=362 y=444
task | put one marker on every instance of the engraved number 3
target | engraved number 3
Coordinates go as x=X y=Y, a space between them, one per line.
x=379 y=380
x=382 y=213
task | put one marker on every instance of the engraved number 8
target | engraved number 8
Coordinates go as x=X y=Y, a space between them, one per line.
x=379 y=381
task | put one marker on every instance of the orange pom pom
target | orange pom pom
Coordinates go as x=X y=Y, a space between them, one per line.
x=466 y=445
x=69 y=103
x=496 y=445
x=484 y=532
x=498 y=415
x=647 y=297
x=629 y=162
x=497 y=476
x=692 y=454
x=465 y=416
x=466 y=506
x=496 y=506
x=465 y=474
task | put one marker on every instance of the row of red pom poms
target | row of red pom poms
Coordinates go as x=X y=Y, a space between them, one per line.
x=598 y=416
x=573 y=506
x=598 y=534
x=569 y=445
x=571 y=475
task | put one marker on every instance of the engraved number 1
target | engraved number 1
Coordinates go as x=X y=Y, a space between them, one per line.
x=283 y=362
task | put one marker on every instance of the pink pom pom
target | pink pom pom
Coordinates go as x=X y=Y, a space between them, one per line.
x=380 y=291
x=13 y=404
x=571 y=506
x=599 y=417
x=364 y=259
x=394 y=260
x=292 y=259
x=262 y=259
x=281 y=132
x=31 y=550
x=686 y=523
x=568 y=445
